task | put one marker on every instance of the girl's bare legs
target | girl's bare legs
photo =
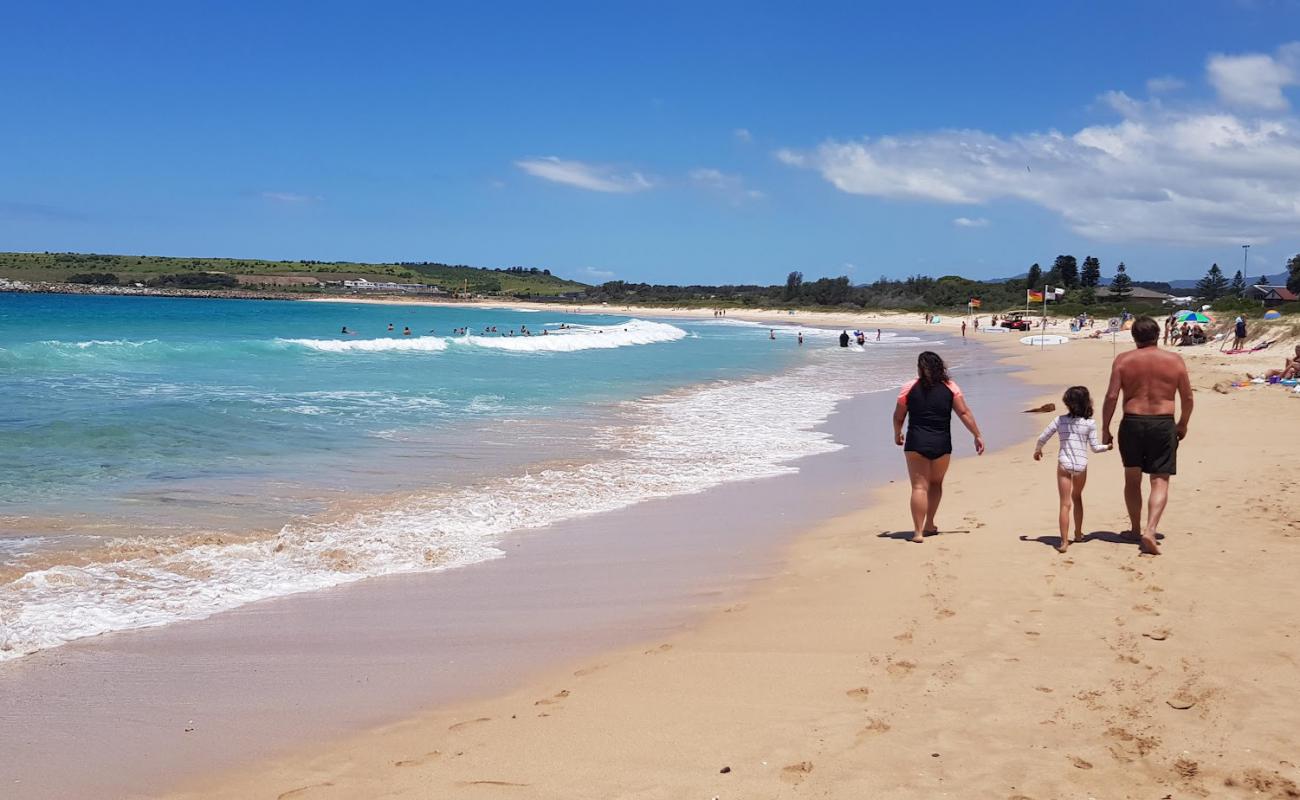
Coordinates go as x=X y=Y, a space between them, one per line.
x=1080 y=481
x=1064 y=488
x=918 y=472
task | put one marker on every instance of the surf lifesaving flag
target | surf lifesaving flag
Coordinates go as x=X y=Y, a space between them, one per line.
x=1032 y=296
x=974 y=302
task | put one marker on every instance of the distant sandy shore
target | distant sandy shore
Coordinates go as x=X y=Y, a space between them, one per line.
x=979 y=664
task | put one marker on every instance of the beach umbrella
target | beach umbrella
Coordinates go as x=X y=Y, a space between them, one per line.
x=1192 y=316
x=1272 y=315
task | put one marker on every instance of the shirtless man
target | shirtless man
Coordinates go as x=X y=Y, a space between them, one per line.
x=1148 y=435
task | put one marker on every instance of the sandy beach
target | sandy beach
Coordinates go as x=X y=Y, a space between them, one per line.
x=979 y=664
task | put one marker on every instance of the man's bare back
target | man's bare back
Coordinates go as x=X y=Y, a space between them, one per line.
x=1149 y=377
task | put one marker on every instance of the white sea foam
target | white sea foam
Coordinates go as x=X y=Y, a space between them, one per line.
x=416 y=344
x=582 y=337
x=679 y=443
x=574 y=338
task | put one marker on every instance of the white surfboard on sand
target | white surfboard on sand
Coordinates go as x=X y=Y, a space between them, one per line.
x=1043 y=339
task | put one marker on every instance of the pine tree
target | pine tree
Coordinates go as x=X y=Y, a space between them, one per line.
x=1034 y=279
x=1238 y=286
x=1212 y=286
x=1293 y=274
x=1121 y=286
x=1068 y=269
x=1091 y=275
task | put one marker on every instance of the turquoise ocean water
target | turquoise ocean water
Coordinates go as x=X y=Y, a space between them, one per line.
x=167 y=459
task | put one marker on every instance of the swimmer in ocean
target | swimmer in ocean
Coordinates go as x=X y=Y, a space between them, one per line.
x=406 y=331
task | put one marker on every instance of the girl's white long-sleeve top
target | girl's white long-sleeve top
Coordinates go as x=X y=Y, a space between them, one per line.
x=1077 y=435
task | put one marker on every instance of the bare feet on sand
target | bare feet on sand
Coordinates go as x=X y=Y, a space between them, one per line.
x=1064 y=545
x=1148 y=545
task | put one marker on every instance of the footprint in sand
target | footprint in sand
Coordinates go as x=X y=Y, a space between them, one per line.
x=301 y=791
x=905 y=637
x=944 y=613
x=1080 y=763
x=795 y=773
x=555 y=698
x=663 y=648
x=418 y=760
x=899 y=669
x=1159 y=634
x=467 y=723
x=585 y=671
x=860 y=693
x=1270 y=784
x=875 y=727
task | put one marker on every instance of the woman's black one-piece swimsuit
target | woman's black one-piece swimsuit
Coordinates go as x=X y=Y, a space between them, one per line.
x=929 y=418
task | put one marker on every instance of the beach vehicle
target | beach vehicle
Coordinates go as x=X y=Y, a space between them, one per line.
x=1017 y=321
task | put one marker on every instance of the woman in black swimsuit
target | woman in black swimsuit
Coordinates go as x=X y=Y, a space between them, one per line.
x=927 y=403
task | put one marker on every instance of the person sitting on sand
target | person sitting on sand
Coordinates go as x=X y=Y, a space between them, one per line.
x=927 y=404
x=1290 y=370
x=1078 y=432
x=1148 y=377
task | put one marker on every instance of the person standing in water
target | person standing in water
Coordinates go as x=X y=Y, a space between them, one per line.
x=801 y=338
x=927 y=404
x=844 y=338
x=771 y=333
x=1148 y=378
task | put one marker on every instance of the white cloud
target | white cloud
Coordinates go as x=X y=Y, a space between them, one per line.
x=742 y=135
x=1163 y=84
x=1158 y=174
x=289 y=198
x=730 y=186
x=1255 y=80
x=971 y=222
x=592 y=177
x=597 y=275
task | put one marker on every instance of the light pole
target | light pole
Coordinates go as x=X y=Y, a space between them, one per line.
x=1245 y=260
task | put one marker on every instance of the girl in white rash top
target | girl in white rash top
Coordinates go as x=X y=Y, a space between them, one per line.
x=1078 y=433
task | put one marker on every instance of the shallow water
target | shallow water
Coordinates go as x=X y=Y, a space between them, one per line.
x=176 y=458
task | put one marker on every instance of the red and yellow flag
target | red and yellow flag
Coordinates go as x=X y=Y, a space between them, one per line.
x=1033 y=296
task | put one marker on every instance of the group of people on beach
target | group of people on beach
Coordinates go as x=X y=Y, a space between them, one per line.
x=1145 y=379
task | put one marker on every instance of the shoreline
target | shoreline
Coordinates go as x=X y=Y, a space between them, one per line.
x=240 y=627
x=793 y=696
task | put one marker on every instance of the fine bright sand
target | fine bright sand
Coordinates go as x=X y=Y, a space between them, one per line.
x=979 y=664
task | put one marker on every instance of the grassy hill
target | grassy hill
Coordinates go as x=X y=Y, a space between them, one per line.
x=58 y=267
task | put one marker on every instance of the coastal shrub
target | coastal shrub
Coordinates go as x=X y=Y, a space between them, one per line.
x=94 y=278
x=194 y=280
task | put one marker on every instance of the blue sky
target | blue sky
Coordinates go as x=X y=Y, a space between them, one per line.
x=673 y=142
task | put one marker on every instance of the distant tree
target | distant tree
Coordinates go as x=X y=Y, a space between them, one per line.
x=1213 y=286
x=1293 y=273
x=1035 y=277
x=793 y=285
x=1088 y=295
x=1121 y=286
x=1067 y=268
x=1238 y=286
x=1091 y=274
